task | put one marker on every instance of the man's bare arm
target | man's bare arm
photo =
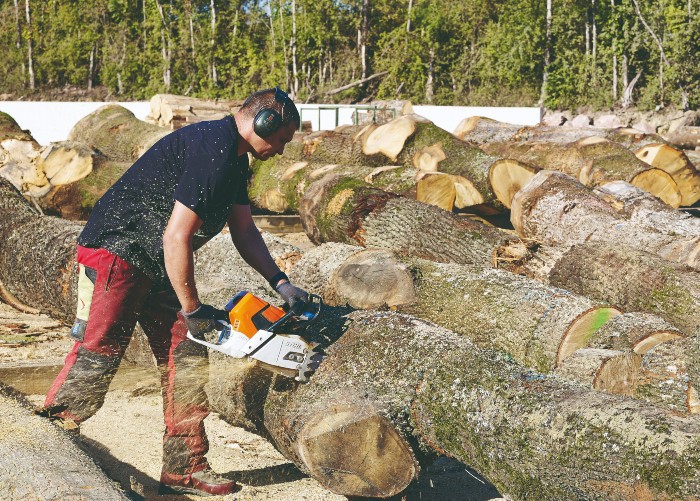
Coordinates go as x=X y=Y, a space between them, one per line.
x=178 y=253
x=249 y=243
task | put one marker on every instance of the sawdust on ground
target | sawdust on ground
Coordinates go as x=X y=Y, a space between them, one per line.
x=125 y=436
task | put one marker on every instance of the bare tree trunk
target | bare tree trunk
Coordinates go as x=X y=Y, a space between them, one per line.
x=165 y=47
x=408 y=17
x=30 y=55
x=214 y=76
x=594 y=32
x=188 y=11
x=284 y=49
x=18 y=43
x=429 y=92
x=548 y=44
x=295 y=90
x=363 y=36
x=272 y=35
x=91 y=70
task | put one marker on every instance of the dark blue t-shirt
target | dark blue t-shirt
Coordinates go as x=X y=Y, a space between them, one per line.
x=198 y=166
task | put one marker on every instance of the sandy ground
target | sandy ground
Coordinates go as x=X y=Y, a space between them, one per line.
x=125 y=436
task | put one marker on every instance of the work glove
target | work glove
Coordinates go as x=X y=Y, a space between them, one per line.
x=203 y=320
x=293 y=296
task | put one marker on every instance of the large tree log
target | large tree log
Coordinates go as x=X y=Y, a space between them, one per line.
x=579 y=216
x=37 y=256
x=115 y=132
x=633 y=279
x=173 y=111
x=18 y=152
x=345 y=210
x=482 y=130
x=594 y=161
x=687 y=137
x=677 y=165
x=39 y=461
x=564 y=442
x=409 y=147
x=536 y=324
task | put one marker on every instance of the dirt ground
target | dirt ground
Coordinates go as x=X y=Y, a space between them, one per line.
x=125 y=436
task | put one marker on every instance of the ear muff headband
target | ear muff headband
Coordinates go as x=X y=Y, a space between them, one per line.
x=268 y=121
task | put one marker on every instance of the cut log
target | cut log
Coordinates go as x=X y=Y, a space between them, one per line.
x=394 y=156
x=593 y=161
x=337 y=209
x=37 y=256
x=633 y=279
x=18 y=152
x=173 y=111
x=687 y=137
x=554 y=209
x=485 y=130
x=75 y=200
x=674 y=162
x=613 y=371
x=115 y=132
x=537 y=325
x=635 y=331
x=66 y=162
x=472 y=405
x=39 y=461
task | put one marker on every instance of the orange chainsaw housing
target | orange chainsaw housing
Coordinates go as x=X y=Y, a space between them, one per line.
x=251 y=314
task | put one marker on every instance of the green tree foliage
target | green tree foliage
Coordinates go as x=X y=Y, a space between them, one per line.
x=481 y=52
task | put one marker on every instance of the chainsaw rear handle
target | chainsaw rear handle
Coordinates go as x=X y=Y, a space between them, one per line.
x=314 y=302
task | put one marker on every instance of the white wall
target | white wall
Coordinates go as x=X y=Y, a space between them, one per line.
x=52 y=121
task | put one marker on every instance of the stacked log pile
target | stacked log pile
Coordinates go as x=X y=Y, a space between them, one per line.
x=594 y=155
x=173 y=111
x=570 y=342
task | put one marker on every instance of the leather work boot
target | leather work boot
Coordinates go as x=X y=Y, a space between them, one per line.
x=202 y=483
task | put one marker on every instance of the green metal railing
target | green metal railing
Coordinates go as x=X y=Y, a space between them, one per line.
x=355 y=114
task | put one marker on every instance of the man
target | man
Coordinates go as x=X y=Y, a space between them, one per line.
x=136 y=263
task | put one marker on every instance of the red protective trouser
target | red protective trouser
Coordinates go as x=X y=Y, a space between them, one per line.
x=112 y=297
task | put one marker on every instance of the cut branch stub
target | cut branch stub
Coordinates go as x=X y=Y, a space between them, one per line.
x=389 y=139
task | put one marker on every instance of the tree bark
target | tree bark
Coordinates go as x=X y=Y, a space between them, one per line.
x=593 y=161
x=38 y=461
x=337 y=209
x=116 y=133
x=539 y=326
x=687 y=137
x=582 y=216
x=482 y=130
x=416 y=147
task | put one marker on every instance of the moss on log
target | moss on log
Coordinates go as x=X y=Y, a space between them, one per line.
x=562 y=441
x=115 y=132
x=345 y=210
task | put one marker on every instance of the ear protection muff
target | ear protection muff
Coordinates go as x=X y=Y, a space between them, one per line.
x=268 y=121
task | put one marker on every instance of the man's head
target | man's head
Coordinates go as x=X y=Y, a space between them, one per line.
x=273 y=119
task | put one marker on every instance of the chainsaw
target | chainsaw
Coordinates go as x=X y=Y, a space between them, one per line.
x=270 y=335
